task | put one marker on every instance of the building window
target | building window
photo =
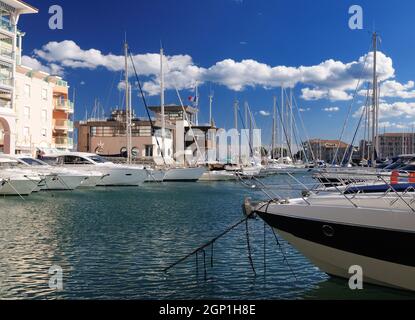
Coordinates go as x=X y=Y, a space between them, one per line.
x=27 y=90
x=45 y=94
x=26 y=132
x=44 y=115
x=123 y=152
x=149 y=150
x=26 y=113
x=134 y=152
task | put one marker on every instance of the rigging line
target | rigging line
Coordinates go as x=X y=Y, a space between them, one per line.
x=185 y=114
x=354 y=138
x=265 y=248
x=243 y=124
x=188 y=122
x=297 y=137
x=350 y=107
x=207 y=244
x=278 y=241
x=283 y=254
x=249 y=247
x=289 y=113
x=146 y=106
x=284 y=129
x=356 y=131
x=304 y=128
x=107 y=100
x=121 y=96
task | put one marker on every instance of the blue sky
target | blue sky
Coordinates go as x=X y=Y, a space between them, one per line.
x=213 y=40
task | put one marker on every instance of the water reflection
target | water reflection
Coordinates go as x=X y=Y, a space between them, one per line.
x=114 y=244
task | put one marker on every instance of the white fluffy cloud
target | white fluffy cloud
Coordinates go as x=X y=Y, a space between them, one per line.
x=264 y=113
x=333 y=80
x=330 y=94
x=35 y=64
x=393 y=110
x=331 y=109
x=387 y=125
x=394 y=89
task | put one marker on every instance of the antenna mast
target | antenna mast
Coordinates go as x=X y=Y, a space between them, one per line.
x=163 y=120
x=374 y=102
x=127 y=104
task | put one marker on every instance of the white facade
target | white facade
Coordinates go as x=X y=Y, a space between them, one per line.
x=34 y=110
x=10 y=53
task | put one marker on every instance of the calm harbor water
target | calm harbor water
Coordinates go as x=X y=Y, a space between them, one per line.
x=113 y=243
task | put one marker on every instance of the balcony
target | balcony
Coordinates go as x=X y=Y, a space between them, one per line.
x=63 y=142
x=61 y=88
x=64 y=105
x=6 y=25
x=63 y=125
x=6 y=83
x=7 y=53
x=61 y=83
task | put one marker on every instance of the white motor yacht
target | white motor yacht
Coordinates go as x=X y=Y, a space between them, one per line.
x=59 y=178
x=112 y=174
x=15 y=181
x=184 y=174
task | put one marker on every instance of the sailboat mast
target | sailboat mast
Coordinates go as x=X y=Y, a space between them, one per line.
x=291 y=120
x=274 y=116
x=210 y=108
x=163 y=120
x=374 y=100
x=127 y=104
x=282 y=124
x=235 y=114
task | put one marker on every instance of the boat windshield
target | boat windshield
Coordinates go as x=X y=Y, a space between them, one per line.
x=98 y=159
x=33 y=162
x=395 y=165
x=409 y=168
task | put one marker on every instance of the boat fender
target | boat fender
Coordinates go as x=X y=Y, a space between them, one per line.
x=395 y=177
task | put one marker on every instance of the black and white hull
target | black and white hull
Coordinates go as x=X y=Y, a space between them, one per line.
x=335 y=238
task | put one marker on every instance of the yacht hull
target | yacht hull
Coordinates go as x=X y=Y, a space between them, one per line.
x=184 y=174
x=218 y=176
x=155 y=176
x=58 y=182
x=122 y=177
x=18 y=187
x=334 y=245
x=90 y=182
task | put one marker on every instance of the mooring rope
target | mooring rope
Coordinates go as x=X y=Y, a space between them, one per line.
x=249 y=247
x=207 y=244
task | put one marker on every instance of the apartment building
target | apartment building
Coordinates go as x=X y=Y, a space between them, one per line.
x=326 y=150
x=10 y=52
x=35 y=110
x=43 y=112
x=108 y=136
x=395 y=144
